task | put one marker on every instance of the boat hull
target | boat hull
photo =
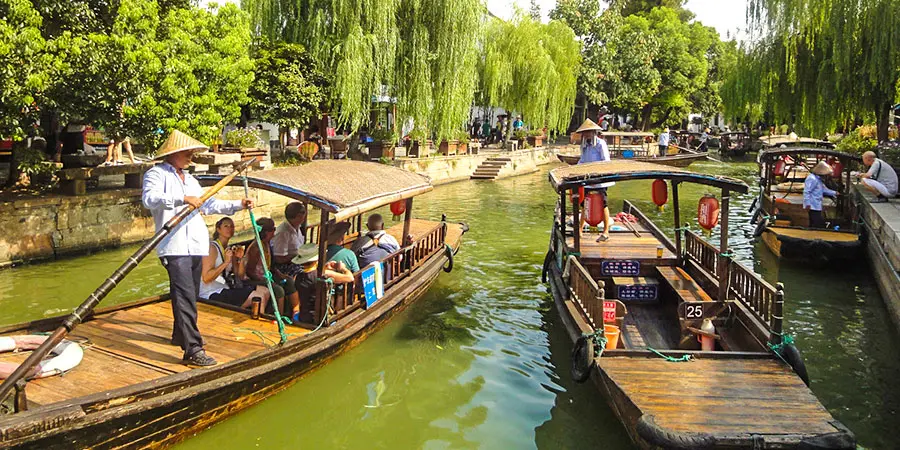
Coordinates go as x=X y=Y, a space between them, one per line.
x=680 y=160
x=812 y=246
x=162 y=412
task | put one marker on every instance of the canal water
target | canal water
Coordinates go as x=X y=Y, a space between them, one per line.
x=482 y=360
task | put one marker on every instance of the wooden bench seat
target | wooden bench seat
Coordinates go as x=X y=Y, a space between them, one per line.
x=684 y=286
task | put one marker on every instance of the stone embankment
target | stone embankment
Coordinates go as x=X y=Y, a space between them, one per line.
x=882 y=225
x=52 y=226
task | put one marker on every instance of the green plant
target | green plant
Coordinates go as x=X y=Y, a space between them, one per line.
x=520 y=135
x=856 y=143
x=384 y=135
x=418 y=135
x=243 y=138
x=462 y=137
x=535 y=133
x=384 y=160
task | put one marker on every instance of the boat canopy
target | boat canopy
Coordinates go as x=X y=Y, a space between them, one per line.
x=569 y=177
x=626 y=133
x=343 y=188
x=797 y=151
x=775 y=141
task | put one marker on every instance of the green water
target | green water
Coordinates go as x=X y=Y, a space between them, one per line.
x=482 y=360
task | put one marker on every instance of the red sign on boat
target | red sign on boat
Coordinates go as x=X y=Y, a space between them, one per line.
x=609 y=311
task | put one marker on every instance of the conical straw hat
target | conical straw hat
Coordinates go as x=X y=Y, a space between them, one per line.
x=587 y=126
x=822 y=168
x=179 y=142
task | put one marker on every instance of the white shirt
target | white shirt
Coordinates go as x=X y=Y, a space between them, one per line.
x=883 y=173
x=164 y=194
x=287 y=240
x=217 y=285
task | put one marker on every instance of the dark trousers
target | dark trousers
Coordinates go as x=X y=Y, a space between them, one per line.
x=184 y=286
x=816 y=219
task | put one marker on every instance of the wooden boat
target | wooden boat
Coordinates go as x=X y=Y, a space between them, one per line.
x=777 y=141
x=683 y=159
x=735 y=144
x=783 y=224
x=662 y=296
x=131 y=391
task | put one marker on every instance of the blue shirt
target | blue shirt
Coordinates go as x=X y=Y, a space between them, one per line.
x=164 y=194
x=813 y=190
x=593 y=152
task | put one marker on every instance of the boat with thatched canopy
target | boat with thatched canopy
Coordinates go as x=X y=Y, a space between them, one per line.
x=639 y=146
x=131 y=389
x=684 y=343
x=781 y=220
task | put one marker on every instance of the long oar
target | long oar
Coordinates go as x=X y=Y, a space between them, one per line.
x=101 y=292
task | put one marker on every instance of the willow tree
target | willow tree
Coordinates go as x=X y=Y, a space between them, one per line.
x=420 y=52
x=531 y=68
x=822 y=62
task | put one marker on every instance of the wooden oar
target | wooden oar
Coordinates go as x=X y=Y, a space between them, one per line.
x=86 y=307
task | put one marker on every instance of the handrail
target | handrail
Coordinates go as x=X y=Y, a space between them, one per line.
x=587 y=293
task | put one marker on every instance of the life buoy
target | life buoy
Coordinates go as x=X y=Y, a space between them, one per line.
x=582 y=359
x=791 y=354
x=545 y=269
x=760 y=227
x=64 y=357
x=449 y=252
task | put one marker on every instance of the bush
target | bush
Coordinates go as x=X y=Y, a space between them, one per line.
x=243 y=138
x=462 y=137
x=31 y=162
x=889 y=152
x=535 y=133
x=520 y=135
x=384 y=135
x=856 y=142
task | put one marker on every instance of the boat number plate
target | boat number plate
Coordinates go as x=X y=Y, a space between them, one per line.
x=609 y=312
x=637 y=292
x=620 y=268
x=702 y=310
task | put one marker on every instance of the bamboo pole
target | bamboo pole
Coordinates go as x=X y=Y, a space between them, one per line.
x=87 y=306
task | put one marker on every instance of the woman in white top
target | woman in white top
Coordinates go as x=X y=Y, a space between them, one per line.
x=223 y=268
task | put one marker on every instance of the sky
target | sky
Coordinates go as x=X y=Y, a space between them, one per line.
x=725 y=15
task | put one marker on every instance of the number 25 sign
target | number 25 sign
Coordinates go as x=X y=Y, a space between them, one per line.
x=609 y=311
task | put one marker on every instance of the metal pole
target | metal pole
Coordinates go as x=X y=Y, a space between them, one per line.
x=87 y=306
x=724 y=261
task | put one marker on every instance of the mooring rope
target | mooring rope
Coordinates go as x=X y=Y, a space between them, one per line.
x=329 y=295
x=279 y=319
x=599 y=338
x=778 y=349
x=684 y=358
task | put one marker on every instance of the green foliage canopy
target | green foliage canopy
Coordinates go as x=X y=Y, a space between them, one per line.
x=289 y=88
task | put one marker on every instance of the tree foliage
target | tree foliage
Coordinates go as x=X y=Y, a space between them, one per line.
x=531 y=68
x=289 y=88
x=819 y=63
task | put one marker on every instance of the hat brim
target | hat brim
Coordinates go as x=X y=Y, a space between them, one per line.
x=188 y=149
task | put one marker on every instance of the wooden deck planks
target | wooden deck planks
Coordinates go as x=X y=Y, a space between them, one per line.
x=683 y=285
x=720 y=396
x=621 y=245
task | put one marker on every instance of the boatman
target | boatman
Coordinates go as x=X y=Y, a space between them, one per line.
x=594 y=149
x=169 y=188
x=881 y=179
x=814 y=190
x=664 y=142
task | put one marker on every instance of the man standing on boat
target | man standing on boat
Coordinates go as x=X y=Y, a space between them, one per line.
x=664 y=142
x=167 y=189
x=881 y=179
x=814 y=190
x=594 y=149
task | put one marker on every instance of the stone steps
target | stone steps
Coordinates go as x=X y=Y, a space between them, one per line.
x=491 y=168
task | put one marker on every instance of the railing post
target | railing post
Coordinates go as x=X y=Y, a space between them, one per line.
x=321 y=295
x=576 y=221
x=776 y=336
x=677 y=213
x=723 y=268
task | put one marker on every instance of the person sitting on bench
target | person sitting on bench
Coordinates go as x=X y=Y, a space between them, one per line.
x=375 y=245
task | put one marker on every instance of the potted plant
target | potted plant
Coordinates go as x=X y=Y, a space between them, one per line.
x=521 y=136
x=241 y=139
x=448 y=147
x=419 y=144
x=535 y=138
x=383 y=143
x=463 y=138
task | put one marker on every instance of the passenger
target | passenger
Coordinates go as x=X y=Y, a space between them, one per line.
x=375 y=245
x=813 y=190
x=307 y=258
x=282 y=284
x=223 y=269
x=881 y=179
x=594 y=149
x=289 y=236
x=336 y=251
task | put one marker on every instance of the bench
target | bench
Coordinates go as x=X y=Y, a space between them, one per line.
x=74 y=181
x=688 y=291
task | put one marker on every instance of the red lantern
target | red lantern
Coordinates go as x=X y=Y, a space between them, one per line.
x=779 y=168
x=593 y=209
x=837 y=167
x=660 y=193
x=708 y=212
x=398 y=208
x=580 y=194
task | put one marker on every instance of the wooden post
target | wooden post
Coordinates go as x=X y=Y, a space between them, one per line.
x=562 y=212
x=576 y=222
x=775 y=337
x=321 y=294
x=677 y=222
x=723 y=248
x=407 y=221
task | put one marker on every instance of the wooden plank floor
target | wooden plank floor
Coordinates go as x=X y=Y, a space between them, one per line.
x=621 y=245
x=132 y=346
x=720 y=396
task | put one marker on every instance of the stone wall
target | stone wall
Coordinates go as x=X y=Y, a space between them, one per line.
x=447 y=169
x=882 y=223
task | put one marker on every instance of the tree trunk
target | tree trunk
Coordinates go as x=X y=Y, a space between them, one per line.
x=883 y=120
x=646 y=112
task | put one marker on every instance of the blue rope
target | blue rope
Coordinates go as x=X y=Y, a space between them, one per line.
x=279 y=319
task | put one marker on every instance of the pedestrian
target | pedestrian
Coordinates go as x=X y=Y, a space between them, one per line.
x=486 y=130
x=881 y=179
x=814 y=190
x=168 y=189
x=664 y=142
x=518 y=124
x=704 y=138
x=594 y=149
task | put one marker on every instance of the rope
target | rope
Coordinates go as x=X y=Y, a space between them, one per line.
x=726 y=254
x=778 y=349
x=684 y=358
x=329 y=283
x=262 y=335
x=599 y=338
x=279 y=319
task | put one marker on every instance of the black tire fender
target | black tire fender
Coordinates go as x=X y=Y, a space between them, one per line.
x=545 y=269
x=760 y=227
x=791 y=354
x=449 y=252
x=582 y=359
x=753 y=205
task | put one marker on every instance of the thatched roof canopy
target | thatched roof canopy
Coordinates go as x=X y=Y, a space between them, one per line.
x=569 y=177
x=343 y=188
x=768 y=155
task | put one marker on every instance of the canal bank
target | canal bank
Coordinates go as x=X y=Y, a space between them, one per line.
x=52 y=226
x=882 y=225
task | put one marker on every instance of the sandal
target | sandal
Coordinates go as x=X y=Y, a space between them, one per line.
x=603 y=238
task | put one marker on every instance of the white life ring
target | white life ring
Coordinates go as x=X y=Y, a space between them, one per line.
x=64 y=357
